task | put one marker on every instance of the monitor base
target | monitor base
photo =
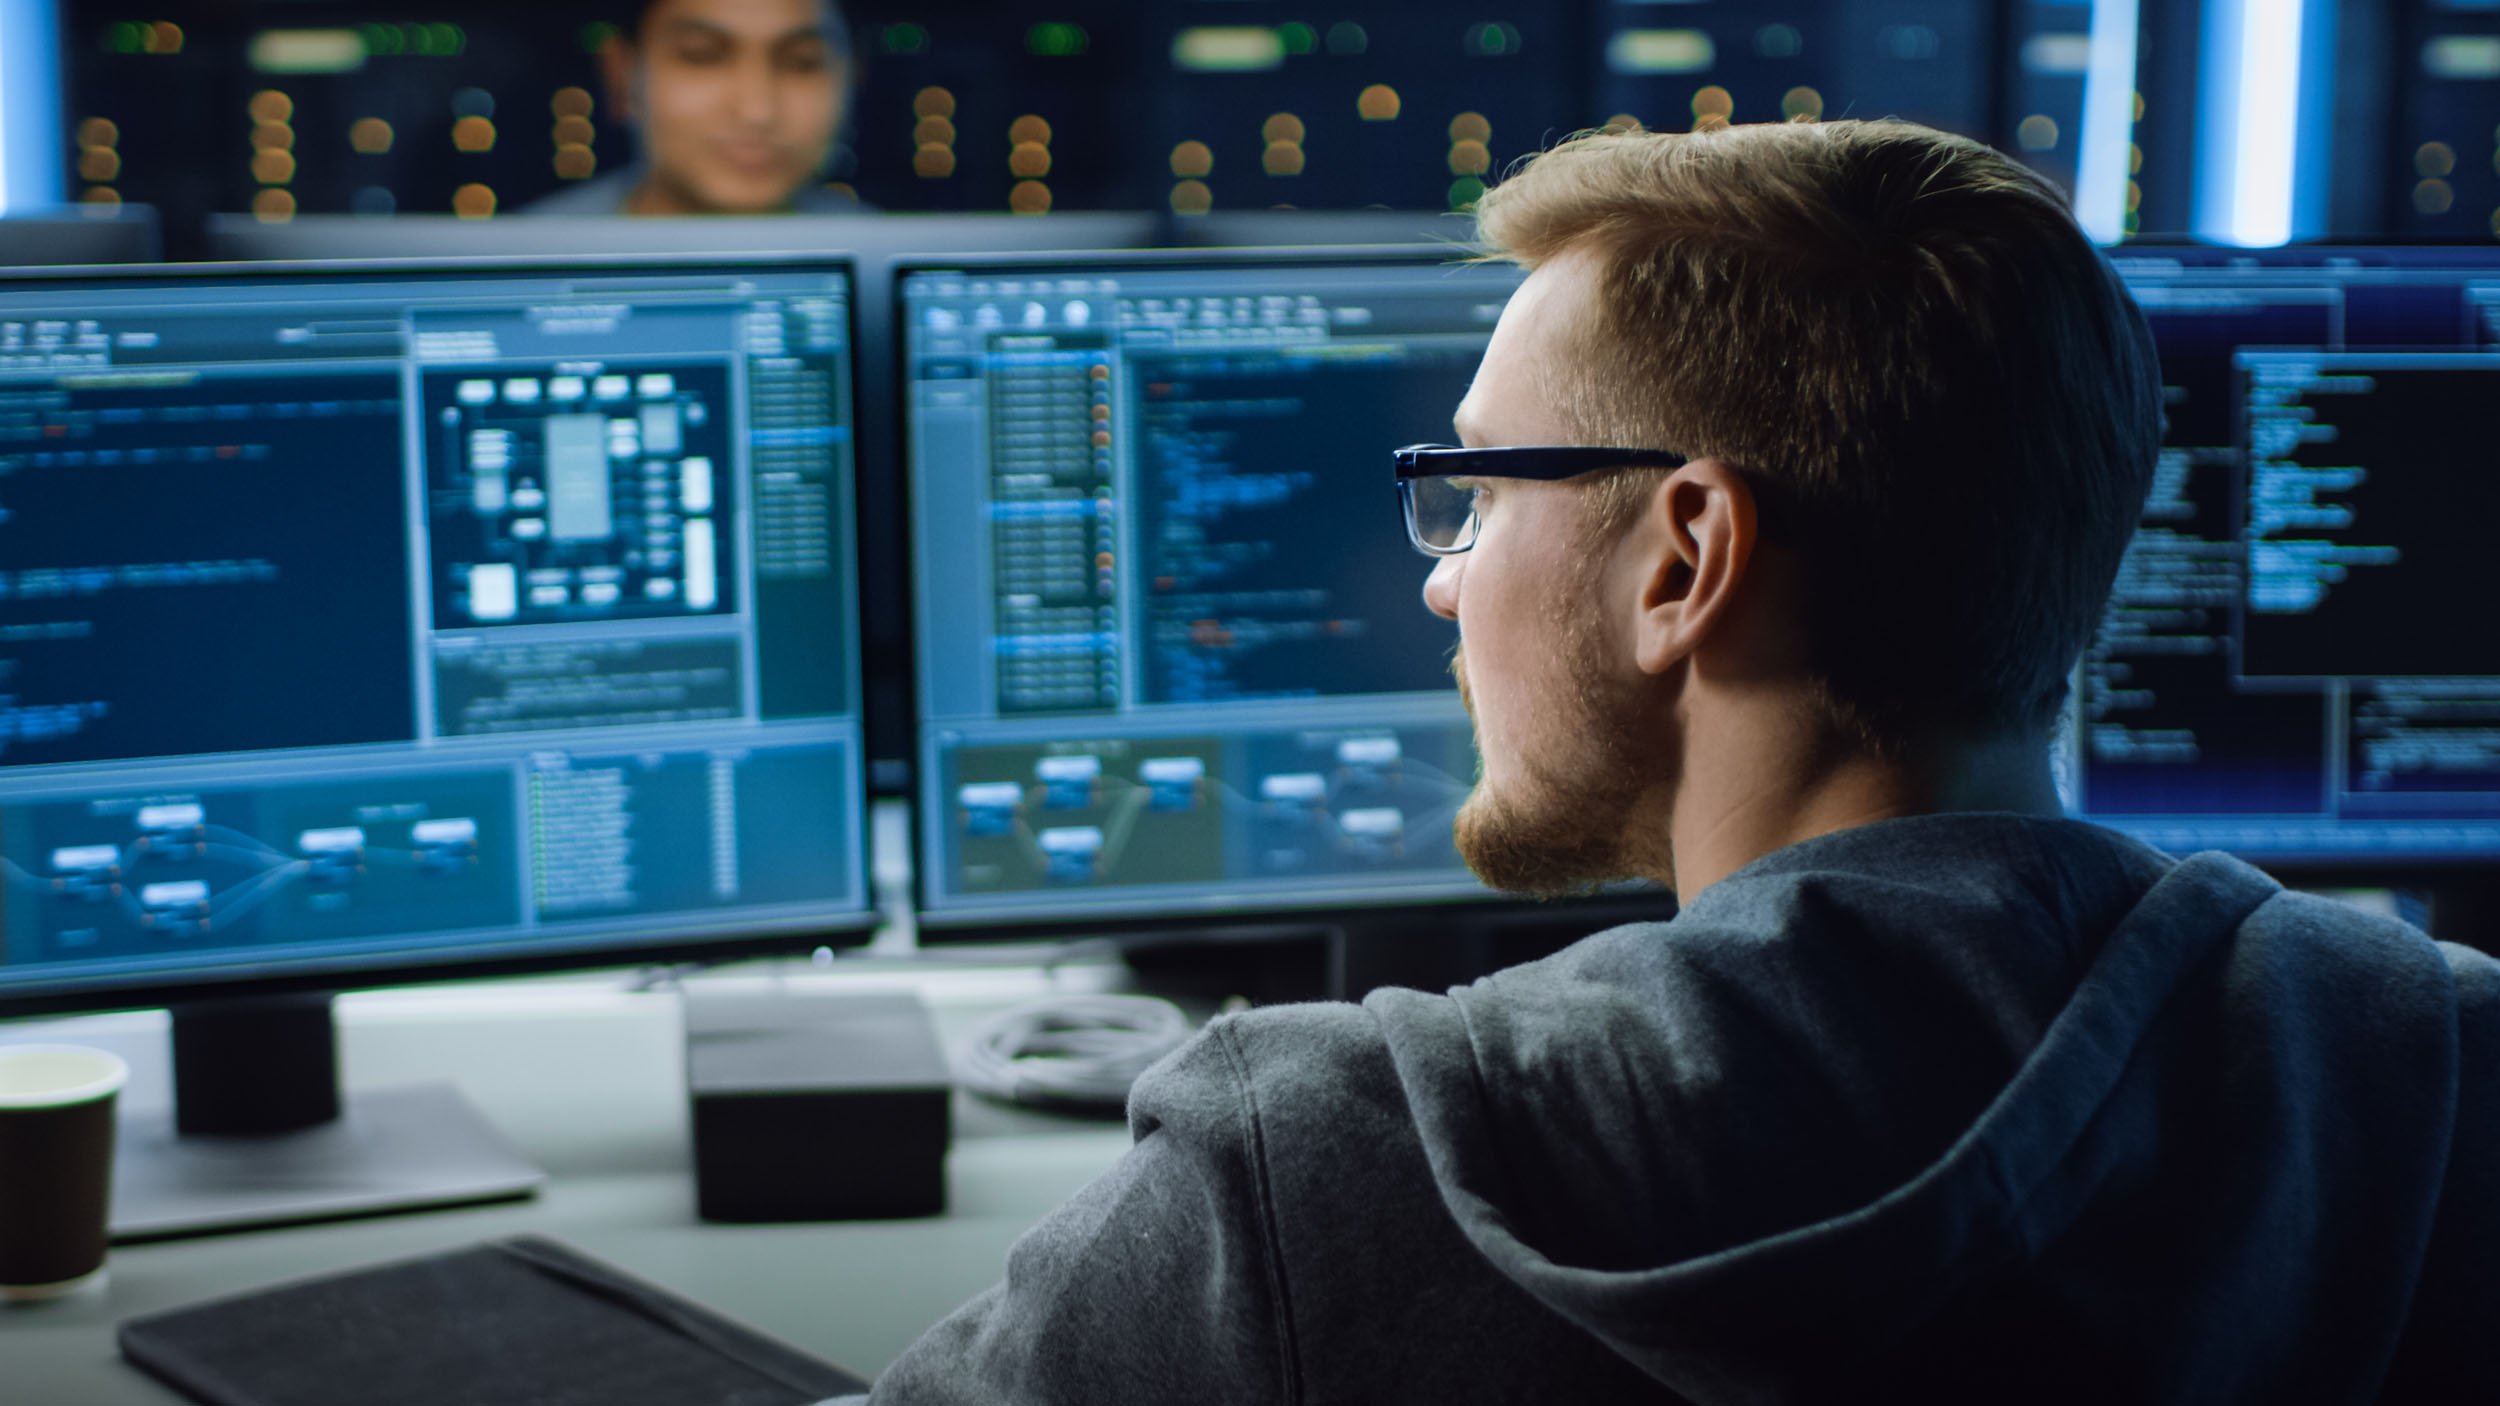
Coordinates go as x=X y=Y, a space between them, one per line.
x=413 y=1147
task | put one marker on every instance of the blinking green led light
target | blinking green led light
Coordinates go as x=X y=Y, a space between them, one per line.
x=1057 y=39
x=904 y=38
x=1299 y=38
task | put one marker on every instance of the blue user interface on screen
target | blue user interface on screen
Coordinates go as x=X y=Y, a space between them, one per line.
x=1172 y=659
x=360 y=620
x=1173 y=652
x=2296 y=664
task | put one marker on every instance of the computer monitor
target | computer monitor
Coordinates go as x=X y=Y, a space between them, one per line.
x=2294 y=666
x=369 y=624
x=1173 y=659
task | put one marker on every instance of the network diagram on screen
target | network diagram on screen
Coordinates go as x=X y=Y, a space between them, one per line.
x=1173 y=651
x=2296 y=664
x=347 y=615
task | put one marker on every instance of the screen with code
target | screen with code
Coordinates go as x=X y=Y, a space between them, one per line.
x=2294 y=665
x=353 y=621
x=1173 y=653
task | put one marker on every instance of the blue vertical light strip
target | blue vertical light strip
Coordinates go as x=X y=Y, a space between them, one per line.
x=8 y=50
x=2268 y=139
x=2250 y=125
x=30 y=105
x=2217 y=120
x=2103 y=171
x=2313 y=171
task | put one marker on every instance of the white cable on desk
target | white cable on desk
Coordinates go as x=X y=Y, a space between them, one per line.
x=1072 y=1051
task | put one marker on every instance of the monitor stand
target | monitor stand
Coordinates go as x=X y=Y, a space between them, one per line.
x=261 y=1138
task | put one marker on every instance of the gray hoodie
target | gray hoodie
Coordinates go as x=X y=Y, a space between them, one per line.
x=1967 y=1107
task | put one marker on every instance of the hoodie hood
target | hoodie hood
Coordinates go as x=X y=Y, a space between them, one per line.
x=1925 y=1099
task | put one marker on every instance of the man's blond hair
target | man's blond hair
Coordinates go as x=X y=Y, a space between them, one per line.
x=1947 y=401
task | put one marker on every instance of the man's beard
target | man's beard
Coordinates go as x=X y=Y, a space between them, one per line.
x=1563 y=822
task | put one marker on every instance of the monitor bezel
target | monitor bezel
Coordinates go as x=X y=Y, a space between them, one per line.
x=724 y=941
x=1152 y=915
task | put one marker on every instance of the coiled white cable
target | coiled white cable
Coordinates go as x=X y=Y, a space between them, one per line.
x=1076 y=1052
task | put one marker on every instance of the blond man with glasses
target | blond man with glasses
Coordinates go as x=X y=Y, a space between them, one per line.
x=1791 y=487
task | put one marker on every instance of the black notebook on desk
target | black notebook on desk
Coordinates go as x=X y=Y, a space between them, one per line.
x=519 y=1322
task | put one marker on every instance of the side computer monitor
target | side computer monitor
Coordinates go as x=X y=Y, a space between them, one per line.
x=1173 y=659
x=2296 y=665
x=360 y=625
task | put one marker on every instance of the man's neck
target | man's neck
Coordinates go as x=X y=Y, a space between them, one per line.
x=1774 y=786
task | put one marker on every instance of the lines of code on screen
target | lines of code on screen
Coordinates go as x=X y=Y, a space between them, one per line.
x=2371 y=499
x=1263 y=578
x=2167 y=729
x=2292 y=665
x=171 y=556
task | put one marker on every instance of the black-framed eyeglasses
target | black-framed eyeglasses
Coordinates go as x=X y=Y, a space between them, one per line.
x=1440 y=502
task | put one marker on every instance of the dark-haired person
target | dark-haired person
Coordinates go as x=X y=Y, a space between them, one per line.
x=736 y=105
x=1794 y=481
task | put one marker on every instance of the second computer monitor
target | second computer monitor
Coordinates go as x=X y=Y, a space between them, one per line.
x=1173 y=661
x=1173 y=655
x=360 y=624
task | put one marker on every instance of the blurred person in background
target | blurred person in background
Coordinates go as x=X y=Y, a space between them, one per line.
x=736 y=106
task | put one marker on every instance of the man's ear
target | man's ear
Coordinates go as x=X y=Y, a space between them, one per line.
x=618 y=58
x=1696 y=539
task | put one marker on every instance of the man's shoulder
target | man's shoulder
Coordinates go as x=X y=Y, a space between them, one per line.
x=600 y=195
x=813 y=199
x=2335 y=934
x=1269 y=1056
x=2478 y=978
x=1324 y=1050
x=2476 y=974
x=1296 y=1094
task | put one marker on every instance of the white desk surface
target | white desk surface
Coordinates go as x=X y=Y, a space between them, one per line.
x=586 y=1076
